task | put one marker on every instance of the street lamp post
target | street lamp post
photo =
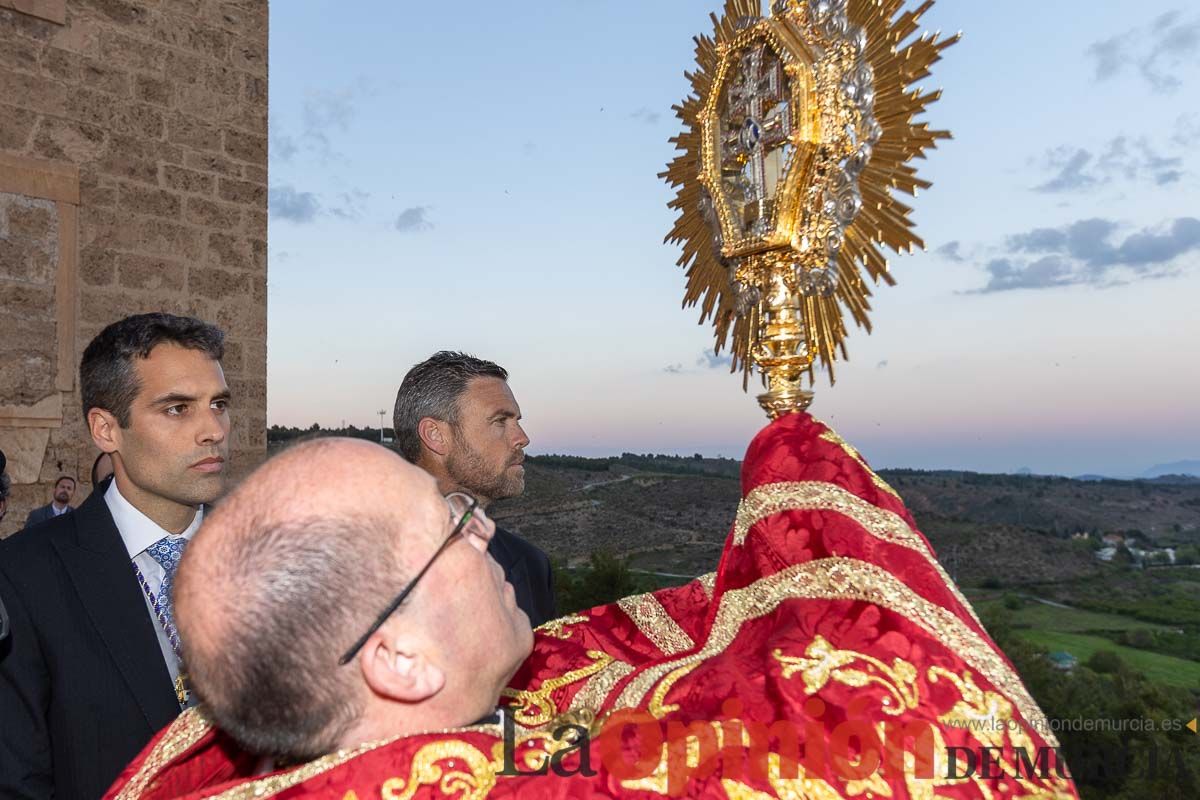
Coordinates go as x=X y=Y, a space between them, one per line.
x=381 y=413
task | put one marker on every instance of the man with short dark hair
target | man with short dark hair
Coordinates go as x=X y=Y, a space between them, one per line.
x=91 y=668
x=456 y=418
x=64 y=490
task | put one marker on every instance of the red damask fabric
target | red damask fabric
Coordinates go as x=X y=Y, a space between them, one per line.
x=828 y=656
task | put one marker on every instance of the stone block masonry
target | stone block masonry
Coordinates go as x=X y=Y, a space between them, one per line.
x=133 y=177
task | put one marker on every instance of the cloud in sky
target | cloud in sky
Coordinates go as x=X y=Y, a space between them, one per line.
x=1156 y=50
x=707 y=360
x=283 y=146
x=1187 y=130
x=353 y=204
x=1076 y=168
x=413 y=220
x=1085 y=253
x=646 y=115
x=285 y=202
x=950 y=251
x=711 y=360
x=323 y=113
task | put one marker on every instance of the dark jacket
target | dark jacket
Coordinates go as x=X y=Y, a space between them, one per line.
x=528 y=570
x=83 y=685
x=42 y=514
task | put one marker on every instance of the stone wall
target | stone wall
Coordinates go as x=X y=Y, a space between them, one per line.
x=133 y=177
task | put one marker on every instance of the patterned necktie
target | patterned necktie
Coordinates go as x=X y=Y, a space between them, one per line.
x=167 y=551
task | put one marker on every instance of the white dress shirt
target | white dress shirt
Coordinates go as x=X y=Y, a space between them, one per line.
x=139 y=532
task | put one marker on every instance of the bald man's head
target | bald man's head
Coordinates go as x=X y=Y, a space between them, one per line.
x=298 y=562
x=278 y=580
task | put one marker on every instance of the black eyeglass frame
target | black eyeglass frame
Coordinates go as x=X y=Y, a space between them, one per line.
x=407 y=590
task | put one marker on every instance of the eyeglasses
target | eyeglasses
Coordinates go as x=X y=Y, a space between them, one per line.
x=465 y=515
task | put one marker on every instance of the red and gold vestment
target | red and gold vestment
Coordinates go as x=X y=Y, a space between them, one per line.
x=829 y=655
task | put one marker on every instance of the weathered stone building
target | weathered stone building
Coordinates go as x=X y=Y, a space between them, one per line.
x=133 y=177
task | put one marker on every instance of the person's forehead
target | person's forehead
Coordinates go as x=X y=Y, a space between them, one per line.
x=182 y=370
x=64 y=479
x=488 y=395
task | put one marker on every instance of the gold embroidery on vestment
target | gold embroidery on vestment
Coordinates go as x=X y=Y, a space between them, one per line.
x=774 y=498
x=535 y=706
x=658 y=709
x=273 y=784
x=597 y=687
x=830 y=435
x=823 y=662
x=656 y=624
x=801 y=787
x=555 y=627
x=187 y=729
x=472 y=781
x=837 y=578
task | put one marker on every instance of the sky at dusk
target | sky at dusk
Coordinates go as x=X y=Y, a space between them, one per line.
x=482 y=177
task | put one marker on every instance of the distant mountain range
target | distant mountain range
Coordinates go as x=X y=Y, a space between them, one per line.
x=1191 y=467
x=1174 y=472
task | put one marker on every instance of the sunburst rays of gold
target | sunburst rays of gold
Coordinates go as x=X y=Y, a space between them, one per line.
x=899 y=61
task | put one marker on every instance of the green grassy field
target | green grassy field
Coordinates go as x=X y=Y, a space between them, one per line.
x=1163 y=669
x=1077 y=620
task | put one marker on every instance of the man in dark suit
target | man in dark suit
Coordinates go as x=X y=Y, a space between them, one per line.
x=90 y=668
x=456 y=417
x=64 y=490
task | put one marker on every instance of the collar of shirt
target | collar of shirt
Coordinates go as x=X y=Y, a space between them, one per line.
x=137 y=530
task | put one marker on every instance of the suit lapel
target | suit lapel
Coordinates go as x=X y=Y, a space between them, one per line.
x=99 y=566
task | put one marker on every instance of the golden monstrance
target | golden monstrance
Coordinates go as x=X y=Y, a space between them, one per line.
x=799 y=128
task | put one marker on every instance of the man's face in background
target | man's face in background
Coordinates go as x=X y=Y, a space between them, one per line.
x=176 y=444
x=64 y=490
x=488 y=445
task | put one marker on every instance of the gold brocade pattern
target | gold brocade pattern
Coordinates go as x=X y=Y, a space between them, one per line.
x=987 y=715
x=273 y=784
x=708 y=581
x=822 y=662
x=535 y=706
x=556 y=627
x=467 y=773
x=802 y=787
x=775 y=498
x=597 y=687
x=658 y=707
x=187 y=729
x=871 y=786
x=846 y=579
x=656 y=781
x=473 y=780
x=830 y=435
x=656 y=624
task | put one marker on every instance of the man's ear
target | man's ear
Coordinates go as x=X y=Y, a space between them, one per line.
x=396 y=669
x=105 y=430
x=435 y=435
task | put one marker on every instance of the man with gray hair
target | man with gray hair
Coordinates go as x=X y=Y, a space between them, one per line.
x=457 y=419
